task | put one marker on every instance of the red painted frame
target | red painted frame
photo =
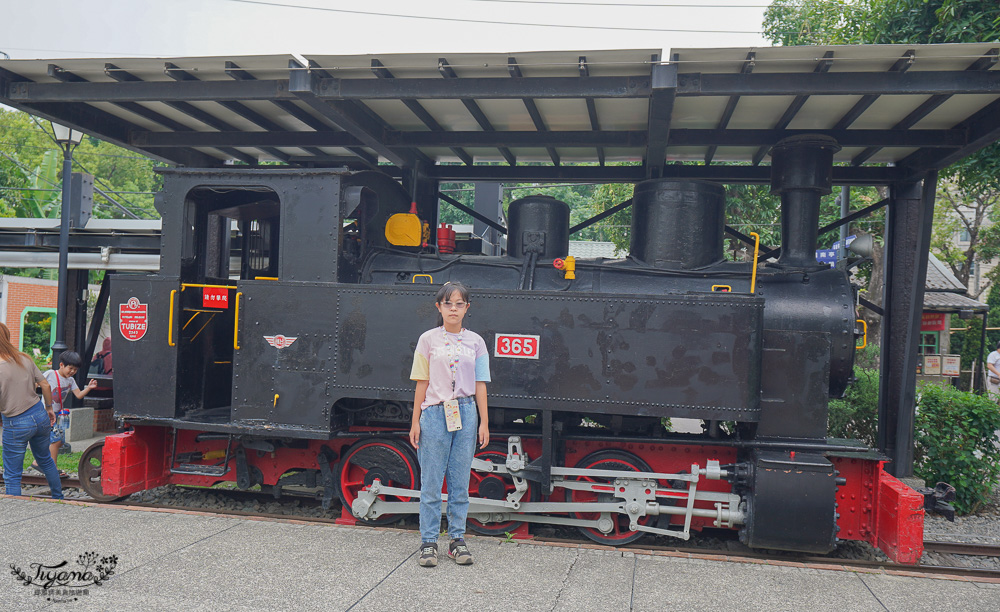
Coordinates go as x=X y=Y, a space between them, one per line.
x=874 y=506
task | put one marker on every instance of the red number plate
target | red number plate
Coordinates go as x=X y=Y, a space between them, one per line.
x=516 y=346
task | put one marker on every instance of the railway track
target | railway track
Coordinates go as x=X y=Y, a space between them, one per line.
x=949 y=548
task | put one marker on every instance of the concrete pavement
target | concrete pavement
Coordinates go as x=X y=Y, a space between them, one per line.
x=193 y=561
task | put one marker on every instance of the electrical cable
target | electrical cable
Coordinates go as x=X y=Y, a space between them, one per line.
x=485 y=21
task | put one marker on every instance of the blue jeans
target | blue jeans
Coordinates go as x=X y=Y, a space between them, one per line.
x=442 y=454
x=30 y=427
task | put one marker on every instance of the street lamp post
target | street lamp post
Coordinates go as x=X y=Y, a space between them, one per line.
x=67 y=139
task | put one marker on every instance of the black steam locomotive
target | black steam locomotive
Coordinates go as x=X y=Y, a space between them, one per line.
x=296 y=372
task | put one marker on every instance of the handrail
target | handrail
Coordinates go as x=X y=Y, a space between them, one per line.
x=186 y=285
x=756 y=250
x=236 y=323
x=170 y=322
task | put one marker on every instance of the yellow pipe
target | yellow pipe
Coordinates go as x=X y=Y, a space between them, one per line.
x=170 y=322
x=202 y=327
x=756 y=250
x=191 y=319
x=236 y=323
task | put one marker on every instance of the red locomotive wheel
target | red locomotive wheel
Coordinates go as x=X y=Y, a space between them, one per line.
x=389 y=461
x=495 y=486
x=89 y=473
x=608 y=460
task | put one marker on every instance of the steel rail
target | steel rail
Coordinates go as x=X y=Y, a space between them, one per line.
x=963 y=548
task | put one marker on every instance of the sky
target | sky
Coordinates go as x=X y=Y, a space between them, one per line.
x=52 y=29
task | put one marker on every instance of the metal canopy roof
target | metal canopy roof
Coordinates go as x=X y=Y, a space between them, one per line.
x=536 y=116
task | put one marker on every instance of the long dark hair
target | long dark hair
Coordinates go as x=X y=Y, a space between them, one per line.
x=446 y=292
x=9 y=352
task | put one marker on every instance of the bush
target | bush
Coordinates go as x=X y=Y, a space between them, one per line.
x=856 y=415
x=956 y=442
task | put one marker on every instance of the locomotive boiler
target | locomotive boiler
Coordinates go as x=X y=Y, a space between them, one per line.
x=273 y=348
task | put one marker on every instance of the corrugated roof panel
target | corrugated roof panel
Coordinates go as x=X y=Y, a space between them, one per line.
x=622 y=114
x=564 y=114
x=943 y=117
x=451 y=114
x=698 y=113
x=759 y=112
x=395 y=113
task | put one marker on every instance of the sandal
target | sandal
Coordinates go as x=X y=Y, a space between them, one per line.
x=35 y=467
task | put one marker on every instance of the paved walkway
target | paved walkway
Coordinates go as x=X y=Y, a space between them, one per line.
x=191 y=561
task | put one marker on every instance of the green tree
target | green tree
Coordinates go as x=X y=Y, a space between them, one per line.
x=29 y=159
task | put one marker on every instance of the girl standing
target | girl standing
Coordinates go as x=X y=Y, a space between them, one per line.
x=26 y=420
x=451 y=366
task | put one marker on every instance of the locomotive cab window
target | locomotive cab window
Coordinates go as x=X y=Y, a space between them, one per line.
x=237 y=237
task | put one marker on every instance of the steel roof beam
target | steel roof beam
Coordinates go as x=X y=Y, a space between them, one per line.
x=984 y=63
x=379 y=70
x=115 y=130
x=92 y=120
x=902 y=65
x=595 y=124
x=661 y=108
x=682 y=137
x=983 y=129
x=477 y=113
x=183 y=77
x=314 y=67
x=467 y=88
x=793 y=109
x=133 y=107
x=842 y=175
x=929 y=82
x=727 y=114
x=124 y=76
x=536 y=117
x=234 y=71
x=304 y=84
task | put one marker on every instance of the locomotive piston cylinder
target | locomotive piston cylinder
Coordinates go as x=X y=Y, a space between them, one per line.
x=802 y=172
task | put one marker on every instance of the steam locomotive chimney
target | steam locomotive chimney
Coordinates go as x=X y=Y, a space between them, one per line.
x=802 y=172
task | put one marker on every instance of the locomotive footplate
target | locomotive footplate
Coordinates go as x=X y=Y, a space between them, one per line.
x=633 y=494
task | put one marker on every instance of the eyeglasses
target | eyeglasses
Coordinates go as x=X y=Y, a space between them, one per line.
x=458 y=305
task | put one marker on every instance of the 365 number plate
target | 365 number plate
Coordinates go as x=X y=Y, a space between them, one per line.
x=516 y=346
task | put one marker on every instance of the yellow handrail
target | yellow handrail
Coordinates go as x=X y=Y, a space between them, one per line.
x=170 y=322
x=864 y=336
x=756 y=250
x=186 y=285
x=236 y=323
x=430 y=279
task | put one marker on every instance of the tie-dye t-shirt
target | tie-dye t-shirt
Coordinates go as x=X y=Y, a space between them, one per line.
x=436 y=348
